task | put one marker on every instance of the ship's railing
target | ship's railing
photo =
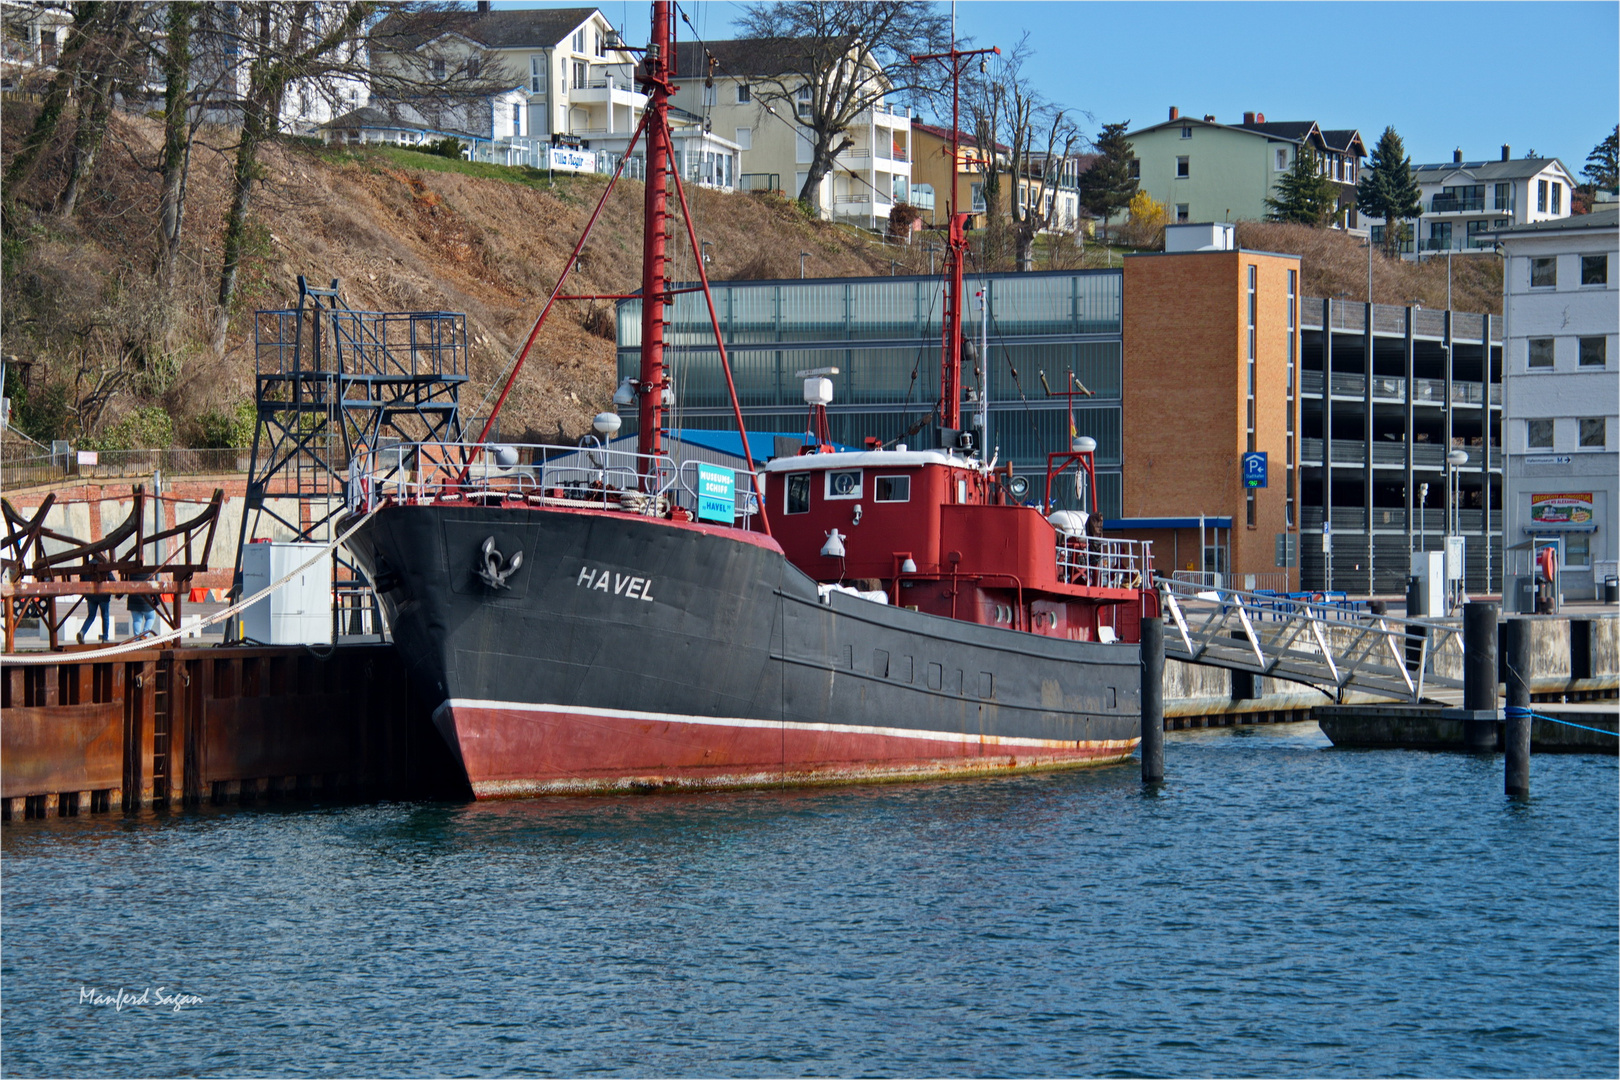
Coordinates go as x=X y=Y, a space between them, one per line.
x=1104 y=562
x=540 y=474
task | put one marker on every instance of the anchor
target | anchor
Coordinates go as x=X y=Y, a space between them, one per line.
x=490 y=565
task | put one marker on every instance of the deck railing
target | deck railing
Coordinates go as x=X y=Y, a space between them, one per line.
x=1104 y=562
x=539 y=475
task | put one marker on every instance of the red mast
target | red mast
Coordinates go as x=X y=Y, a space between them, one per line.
x=950 y=358
x=656 y=69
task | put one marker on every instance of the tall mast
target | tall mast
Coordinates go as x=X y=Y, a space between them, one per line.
x=950 y=356
x=659 y=63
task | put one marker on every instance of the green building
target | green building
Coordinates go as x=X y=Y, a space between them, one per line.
x=1206 y=171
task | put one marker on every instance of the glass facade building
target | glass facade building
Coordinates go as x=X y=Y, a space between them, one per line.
x=883 y=336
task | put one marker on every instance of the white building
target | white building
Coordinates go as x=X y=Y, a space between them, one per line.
x=1466 y=202
x=867 y=178
x=1561 y=391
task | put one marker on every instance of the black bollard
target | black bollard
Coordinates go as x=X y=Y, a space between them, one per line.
x=1152 y=700
x=1517 y=646
x=1479 y=677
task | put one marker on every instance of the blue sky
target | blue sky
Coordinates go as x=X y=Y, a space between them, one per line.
x=1541 y=76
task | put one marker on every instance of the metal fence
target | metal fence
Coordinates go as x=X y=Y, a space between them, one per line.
x=114 y=464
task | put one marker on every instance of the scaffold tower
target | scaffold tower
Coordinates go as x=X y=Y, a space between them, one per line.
x=332 y=385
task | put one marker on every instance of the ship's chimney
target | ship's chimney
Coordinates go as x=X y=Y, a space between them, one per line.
x=1175 y=113
x=1456 y=156
x=1507 y=152
x=1248 y=118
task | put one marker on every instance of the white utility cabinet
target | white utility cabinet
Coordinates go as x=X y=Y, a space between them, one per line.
x=298 y=613
x=1429 y=567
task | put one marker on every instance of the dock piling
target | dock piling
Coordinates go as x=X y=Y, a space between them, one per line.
x=1479 y=677
x=1152 y=700
x=1516 y=643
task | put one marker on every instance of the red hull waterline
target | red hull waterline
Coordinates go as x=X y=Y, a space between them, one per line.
x=511 y=750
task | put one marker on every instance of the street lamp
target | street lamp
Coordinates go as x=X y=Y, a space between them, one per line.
x=1455 y=460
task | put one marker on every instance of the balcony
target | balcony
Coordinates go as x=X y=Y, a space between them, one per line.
x=1393 y=388
x=1452 y=204
x=607 y=91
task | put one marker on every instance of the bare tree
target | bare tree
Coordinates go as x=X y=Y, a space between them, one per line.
x=89 y=17
x=1040 y=137
x=838 y=58
x=113 y=55
x=289 y=41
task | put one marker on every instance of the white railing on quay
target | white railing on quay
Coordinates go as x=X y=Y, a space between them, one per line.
x=1333 y=646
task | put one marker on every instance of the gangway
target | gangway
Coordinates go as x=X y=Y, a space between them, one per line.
x=1330 y=646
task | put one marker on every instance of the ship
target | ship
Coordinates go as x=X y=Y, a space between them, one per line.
x=589 y=619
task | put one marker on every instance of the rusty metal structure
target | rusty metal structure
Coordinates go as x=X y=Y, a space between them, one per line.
x=39 y=565
x=169 y=728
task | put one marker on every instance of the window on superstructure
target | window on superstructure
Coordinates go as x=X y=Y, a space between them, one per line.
x=798 y=493
x=892 y=489
x=843 y=484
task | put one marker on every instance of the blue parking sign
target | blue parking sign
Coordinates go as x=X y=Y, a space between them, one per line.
x=1254 y=469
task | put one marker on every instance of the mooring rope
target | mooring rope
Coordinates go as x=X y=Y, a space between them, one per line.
x=140 y=644
x=1513 y=711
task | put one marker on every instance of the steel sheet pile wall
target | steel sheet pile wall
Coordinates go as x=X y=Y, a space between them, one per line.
x=187 y=726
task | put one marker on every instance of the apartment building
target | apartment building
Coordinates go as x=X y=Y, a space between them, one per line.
x=1561 y=307
x=868 y=177
x=576 y=86
x=1203 y=170
x=1466 y=202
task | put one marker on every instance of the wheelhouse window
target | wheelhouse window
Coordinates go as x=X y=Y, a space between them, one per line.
x=892 y=489
x=844 y=484
x=798 y=493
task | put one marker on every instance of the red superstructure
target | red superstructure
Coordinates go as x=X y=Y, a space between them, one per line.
x=944 y=534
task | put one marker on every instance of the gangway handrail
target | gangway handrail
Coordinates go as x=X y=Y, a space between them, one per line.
x=1330 y=645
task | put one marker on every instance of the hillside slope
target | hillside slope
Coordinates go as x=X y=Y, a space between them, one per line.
x=85 y=314
x=110 y=359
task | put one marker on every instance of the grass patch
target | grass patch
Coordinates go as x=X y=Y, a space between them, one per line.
x=402 y=157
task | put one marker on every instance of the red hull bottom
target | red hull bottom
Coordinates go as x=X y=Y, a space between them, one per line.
x=511 y=750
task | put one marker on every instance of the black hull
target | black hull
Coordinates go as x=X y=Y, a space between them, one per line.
x=628 y=652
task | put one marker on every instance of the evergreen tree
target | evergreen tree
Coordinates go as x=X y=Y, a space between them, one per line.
x=1304 y=193
x=1106 y=188
x=1388 y=189
x=1603 y=163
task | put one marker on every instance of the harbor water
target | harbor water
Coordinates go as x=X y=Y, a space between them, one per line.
x=1276 y=908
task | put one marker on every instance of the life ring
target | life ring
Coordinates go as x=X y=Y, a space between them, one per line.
x=1547 y=562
